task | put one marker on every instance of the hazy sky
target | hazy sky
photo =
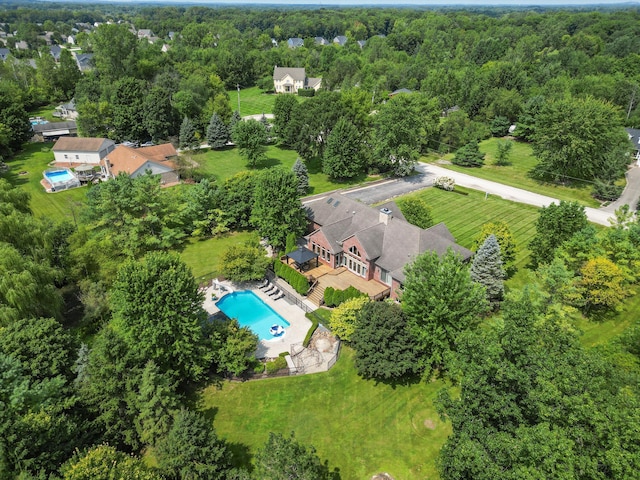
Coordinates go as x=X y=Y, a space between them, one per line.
x=402 y=2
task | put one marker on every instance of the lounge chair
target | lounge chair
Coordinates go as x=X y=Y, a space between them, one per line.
x=278 y=297
x=264 y=284
x=270 y=288
x=276 y=292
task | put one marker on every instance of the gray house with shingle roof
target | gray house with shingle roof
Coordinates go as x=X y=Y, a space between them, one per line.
x=295 y=42
x=373 y=243
x=634 y=137
x=290 y=80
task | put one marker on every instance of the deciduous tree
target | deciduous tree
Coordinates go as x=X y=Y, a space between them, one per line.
x=245 y=262
x=343 y=317
x=251 y=139
x=417 y=212
x=345 y=154
x=602 y=284
x=104 y=461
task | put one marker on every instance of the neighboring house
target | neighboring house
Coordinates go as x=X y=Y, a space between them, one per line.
x=54 y=130
x=320 y=41
x=362 y=43
x=372 y=243
x=340 y=40
x=145 y=33
x=67 y=110
x=171 y=35
x=22 y=45
x=290 y=80
x=295 y=42
x=400 y=90
x=84 y=61
x=158 y=159
x=4 y=53
x=71 y=40
x=74 y=151
x=274 y=42
x=165 y=48
x=55 y=52
x=634 y=137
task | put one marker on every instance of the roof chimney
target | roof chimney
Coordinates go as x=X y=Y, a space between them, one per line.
x=385 y=215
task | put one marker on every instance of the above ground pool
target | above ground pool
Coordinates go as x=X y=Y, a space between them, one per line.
x=250 y=311
x=61 y=179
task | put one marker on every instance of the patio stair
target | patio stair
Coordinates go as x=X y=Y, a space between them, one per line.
x=317 y=295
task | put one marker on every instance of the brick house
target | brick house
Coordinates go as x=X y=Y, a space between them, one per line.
x=373 y=243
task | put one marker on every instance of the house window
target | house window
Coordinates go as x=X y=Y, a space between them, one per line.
x=354 y=250
x=77 y=157
x=385 y=276
x=66 y=156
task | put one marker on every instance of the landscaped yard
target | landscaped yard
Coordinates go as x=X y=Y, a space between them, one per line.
x=33 y=160
x=46 y=112
x=253 y=101
x=225 y=163
x=516 y=174
x=359 y=426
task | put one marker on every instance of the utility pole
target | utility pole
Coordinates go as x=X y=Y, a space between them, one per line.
x=238 y=85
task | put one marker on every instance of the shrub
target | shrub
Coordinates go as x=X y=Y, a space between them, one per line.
x=606 y=191
x=500 y=126
x=314 y=326
x=276 y=365
x=469 y=156
x=334 y=297
x=306 y=92
x=445 y=183
x=294 y=278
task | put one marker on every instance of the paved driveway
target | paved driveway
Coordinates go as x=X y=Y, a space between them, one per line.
x=427 y=173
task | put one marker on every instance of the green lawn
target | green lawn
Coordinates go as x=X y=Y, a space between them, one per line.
x=359 y=426
x=46 y=112
x=33 y=160
x=253 y=101
x=225 y=163
x=464 y=215
x=516 y=174
x=205 y=256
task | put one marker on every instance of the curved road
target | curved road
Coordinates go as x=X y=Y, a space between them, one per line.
x=392 y=188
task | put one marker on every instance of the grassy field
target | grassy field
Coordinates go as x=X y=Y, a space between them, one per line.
x=516 y=174
x=225 y=163
x=33 y=160
x=205 y=256
x=253 y=101
x=46 y=112
x=359 y=426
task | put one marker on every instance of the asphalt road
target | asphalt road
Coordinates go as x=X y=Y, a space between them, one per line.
x=383 y=191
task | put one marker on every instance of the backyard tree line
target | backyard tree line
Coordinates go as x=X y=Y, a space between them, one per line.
x=84 y=395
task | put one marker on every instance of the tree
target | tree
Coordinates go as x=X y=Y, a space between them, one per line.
x=508 y=247
x=500 y=126
x=157 y=402
x=487 y=269
x=15 y=128
x=217 y=132
x=42 y=346
x=115 y=51
x=504 y=149
x=397 y=135
x=277 y=210
x=343 y=317
x=159 y=117
x=417 y=212
x=385 y=348
x=127 y=103
x=566 y=146
x=234 y=347
x=469 y=155
x=300 y=170
x=440 y=301
x=556 y=224
x=344 y=156
x=158 y=311
x=245 y=262
x=235 y=119
x=67 y=74
x=188 y=135
x=602 y=284
x=251 y=138
x=192 y=449
x=283 y=458
x=282 y=112
x=105 y=462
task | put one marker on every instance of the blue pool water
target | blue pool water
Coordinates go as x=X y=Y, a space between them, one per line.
x=250 y=311
x=59 y=176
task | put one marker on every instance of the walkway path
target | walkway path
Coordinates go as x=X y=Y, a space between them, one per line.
x=429 y=172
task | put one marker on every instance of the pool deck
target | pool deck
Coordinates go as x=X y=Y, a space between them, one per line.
x=294 y=334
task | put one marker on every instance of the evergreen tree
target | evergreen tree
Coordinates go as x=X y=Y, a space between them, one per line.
x=487 y=269
x=300 y=169
x=217 y=132
x=188 y=137
x=235 y=118
x=469 y=155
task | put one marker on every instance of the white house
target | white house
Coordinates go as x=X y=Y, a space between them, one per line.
x=72 y=151
x=290 y=80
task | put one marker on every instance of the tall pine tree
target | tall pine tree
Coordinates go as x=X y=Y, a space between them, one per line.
x=300 y=169
x=217 y=132
x=487 y=269
x=188 y=138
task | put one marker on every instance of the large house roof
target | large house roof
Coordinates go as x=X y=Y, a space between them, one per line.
x=391 y=245
x=161 y=152
x=129 y=160
x=298 y=74
x=46 y=127
x=81 y=144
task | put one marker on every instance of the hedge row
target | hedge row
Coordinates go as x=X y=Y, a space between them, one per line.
x=306 y=92
x=294 y=278
x=334 y=297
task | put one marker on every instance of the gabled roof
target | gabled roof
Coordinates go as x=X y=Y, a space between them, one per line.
x=320 y=41
x=362 y=43
x=298 y=74
x=634 y=136
x=161 y=153
x=295 y=42
x=129 y=160
x=81 y=144
x=4 y=53
x=47 y=127
x=55 y=51
x=400 y=90
x=313 y=82
x=340 y=40
x=390 y=245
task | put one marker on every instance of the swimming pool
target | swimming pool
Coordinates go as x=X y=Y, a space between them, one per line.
x=61 y=179
x=250 y=311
